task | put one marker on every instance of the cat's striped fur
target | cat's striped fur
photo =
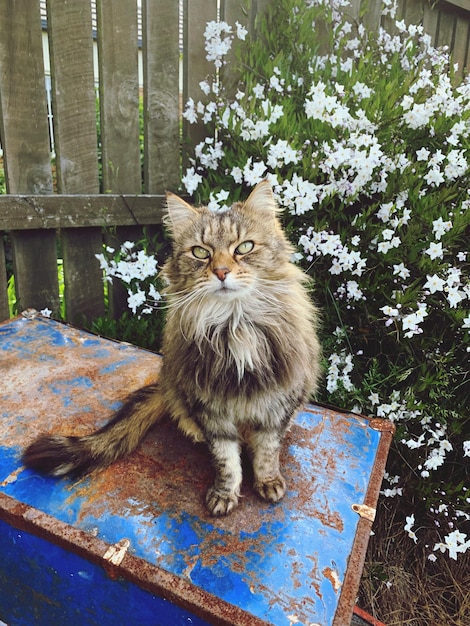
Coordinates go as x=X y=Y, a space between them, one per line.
x=240 y=352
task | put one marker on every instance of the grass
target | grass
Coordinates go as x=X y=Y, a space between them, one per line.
x=401 y=587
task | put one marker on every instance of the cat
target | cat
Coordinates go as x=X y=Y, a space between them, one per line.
x=240 y=352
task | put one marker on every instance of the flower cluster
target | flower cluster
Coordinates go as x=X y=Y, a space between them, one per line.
x=340 y=366
x=137 y=270
x=366 y=146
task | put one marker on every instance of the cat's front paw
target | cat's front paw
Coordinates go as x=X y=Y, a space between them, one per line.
x=220 y=503
x=271 y=490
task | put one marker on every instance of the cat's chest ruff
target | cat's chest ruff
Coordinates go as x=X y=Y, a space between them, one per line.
x=243 y=347
x=239 y=340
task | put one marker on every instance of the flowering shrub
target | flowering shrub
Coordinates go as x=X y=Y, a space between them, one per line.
x=365 y=140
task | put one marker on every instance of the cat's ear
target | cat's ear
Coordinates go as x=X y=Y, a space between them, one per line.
x=178 y=213
x=262 y=199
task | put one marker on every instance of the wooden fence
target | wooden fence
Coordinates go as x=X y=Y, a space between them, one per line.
x=42 y=217
x=61 y=211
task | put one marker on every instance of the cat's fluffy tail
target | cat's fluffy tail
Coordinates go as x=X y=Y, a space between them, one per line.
x=60 y=456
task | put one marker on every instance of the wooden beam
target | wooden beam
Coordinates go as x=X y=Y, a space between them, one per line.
x=26 y=212
x=461 y=4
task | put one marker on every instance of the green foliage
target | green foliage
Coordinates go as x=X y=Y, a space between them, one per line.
x=145 y=332
x=3 y=188
x=11 y=294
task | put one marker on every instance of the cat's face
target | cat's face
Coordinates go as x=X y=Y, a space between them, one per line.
x=226 y=255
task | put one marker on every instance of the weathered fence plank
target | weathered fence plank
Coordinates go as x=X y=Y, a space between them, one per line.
x=119 y=95
x=461 y=41
x=26 y=212
x=160 y=47
x=73 y=92
x=117 y=37
x=25 y=141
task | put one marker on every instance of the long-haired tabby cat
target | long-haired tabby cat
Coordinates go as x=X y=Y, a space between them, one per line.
x=240 y=350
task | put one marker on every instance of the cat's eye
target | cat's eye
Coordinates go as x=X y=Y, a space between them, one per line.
x=245 y=247
x=200 y=253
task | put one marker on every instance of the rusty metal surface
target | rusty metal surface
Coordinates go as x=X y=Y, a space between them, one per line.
x=298 y=562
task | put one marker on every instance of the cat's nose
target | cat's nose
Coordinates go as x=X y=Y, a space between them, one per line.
x=221 y=272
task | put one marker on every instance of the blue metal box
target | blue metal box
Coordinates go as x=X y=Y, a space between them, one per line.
x=133 y=544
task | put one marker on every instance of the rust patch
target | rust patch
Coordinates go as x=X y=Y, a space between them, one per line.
x=309 y=493
x=12 y=478
x=383 y=425
x=332 y=575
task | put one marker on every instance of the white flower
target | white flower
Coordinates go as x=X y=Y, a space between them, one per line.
x=385 y=211
x=408 y=528
x=280 y=154
x=422 y=155
x=440 y=227
x=336 y=267
x=190 y=113
x=353 y=290
x=276 y=83
x=384 y=247
x=456 y=164
x=412 y=444
x=362 y=90
x=191 y=180
x=410 y=322
x=418 y=116
x=237 y=175
x=391 y=493
x=205 y=87
x=253 y=173
x=258 y=90
x=401 y=271
x=434 y=283
x=455 y=543
x=434 y=461
x=466 y=448
x=388 y=310
x=241 y=31
x=135 y=300
x=47 y=312
x=466 y=322
x=435 y=250
x=454 y=296
x=216 y=201
x=434 y=177
x=154 y=294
